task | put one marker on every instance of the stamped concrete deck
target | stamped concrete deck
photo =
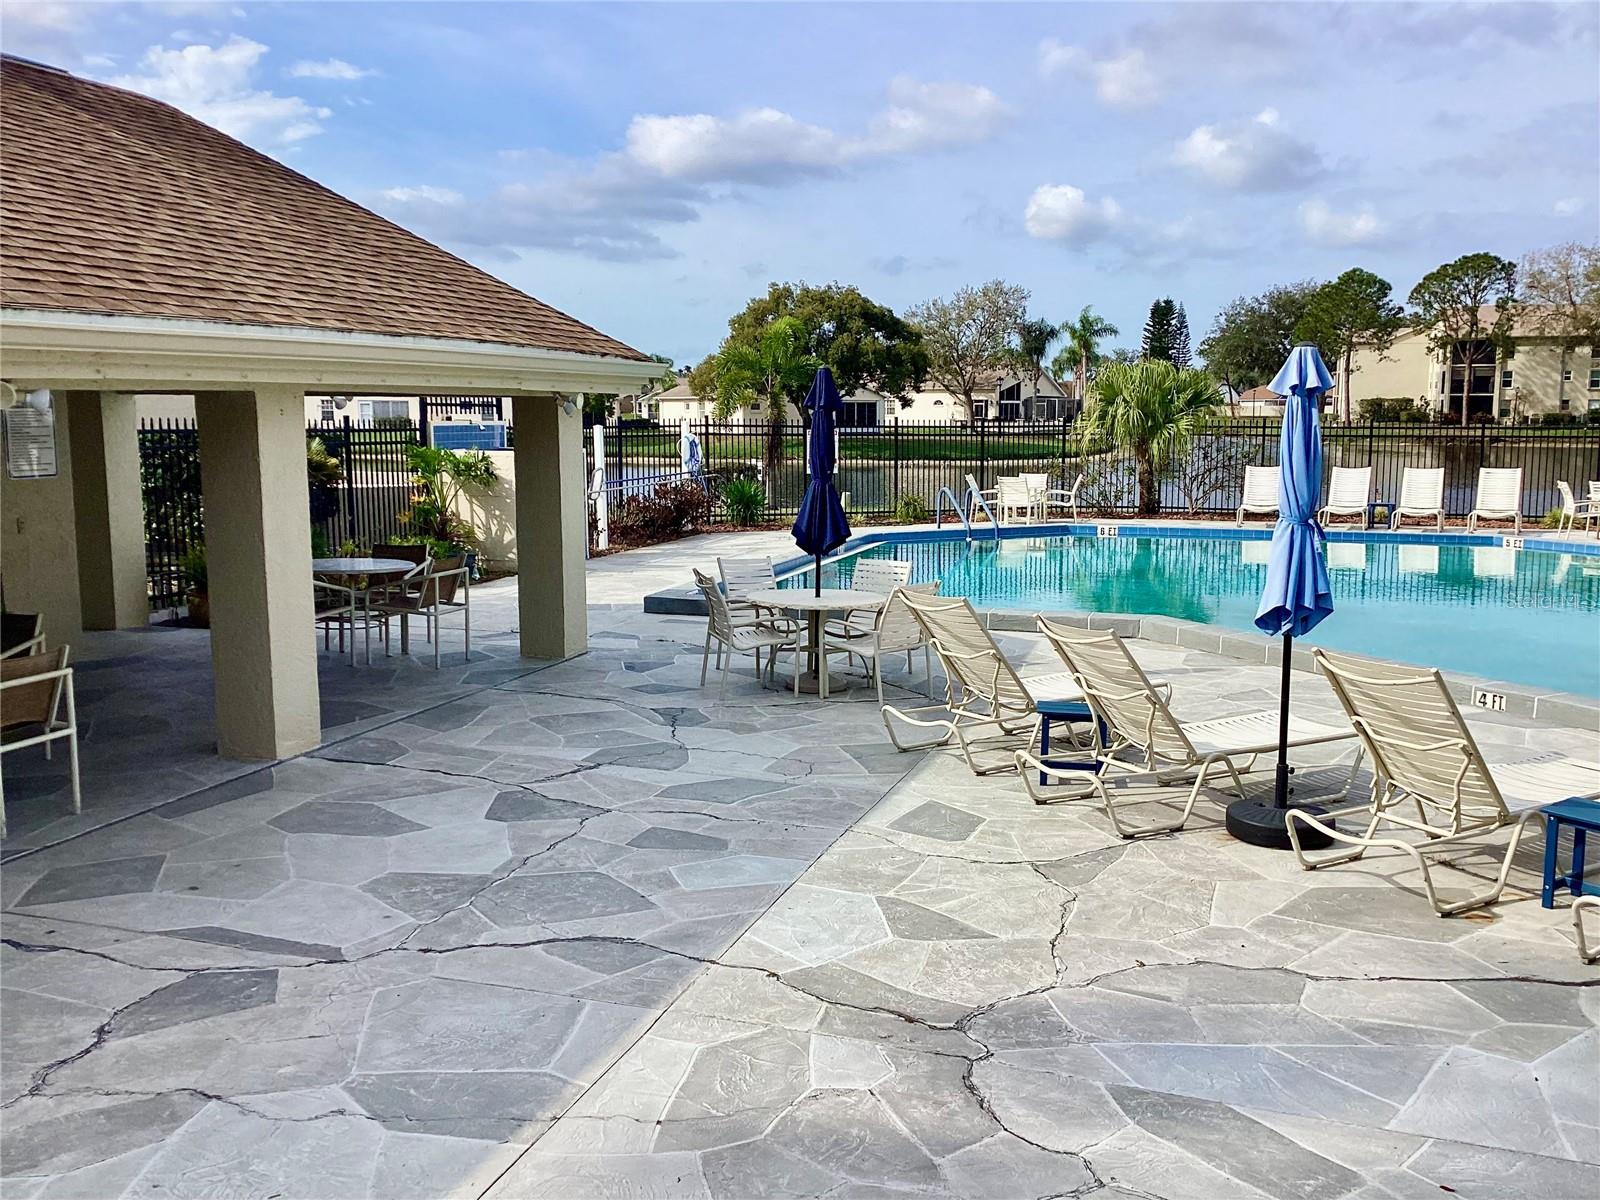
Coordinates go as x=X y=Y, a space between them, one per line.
x=585 y=931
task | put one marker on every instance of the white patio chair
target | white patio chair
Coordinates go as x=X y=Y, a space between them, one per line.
x=336 y=606
x=734 y=639
x=1421 y=495
x=1348 y=492
x=989 y=496
x=896 y=632
x=1137 y=721
x=1066 y=498
x=21 y=633
x=876 y=575
x=1499 y=497
x=34 y=689
x=1425 y=758
x=432 y=595
x=1573 y=509
x=1015 y=496
x=983 y=691
x=740 y=577
x=1260 y=492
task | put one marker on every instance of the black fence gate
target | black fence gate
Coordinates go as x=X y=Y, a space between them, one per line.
x=174 y=520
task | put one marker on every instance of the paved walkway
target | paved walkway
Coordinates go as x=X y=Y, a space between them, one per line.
x=583 y=930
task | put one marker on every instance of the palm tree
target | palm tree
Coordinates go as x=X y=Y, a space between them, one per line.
x=773 y=373
x=1083 y=346
x=1149 y=409
x=1034 y=336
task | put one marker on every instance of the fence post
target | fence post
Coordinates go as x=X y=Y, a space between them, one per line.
x=422 y=420
x=602 y=523
x=347 y=497
x=983 y=452
x=895 y=453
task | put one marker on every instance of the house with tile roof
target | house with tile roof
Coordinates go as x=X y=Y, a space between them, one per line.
x=146 y=252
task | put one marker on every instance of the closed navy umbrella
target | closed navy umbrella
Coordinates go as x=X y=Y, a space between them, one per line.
x=1297 y=595
x=821 y=526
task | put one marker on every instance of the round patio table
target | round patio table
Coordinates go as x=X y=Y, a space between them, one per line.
x=370 y=567
x=816 y=607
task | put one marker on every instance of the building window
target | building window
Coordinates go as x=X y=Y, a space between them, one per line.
x=1507 y=381
x=1594 y=378
x=1566 y=376
x=328 y=410
x=1011 y=402
x=859 y=414
x=980 y=409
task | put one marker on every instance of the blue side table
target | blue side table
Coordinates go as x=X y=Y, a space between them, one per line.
x=1582 y=815
x=1069 y=712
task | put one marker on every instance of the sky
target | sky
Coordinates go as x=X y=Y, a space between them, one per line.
x=649 y=168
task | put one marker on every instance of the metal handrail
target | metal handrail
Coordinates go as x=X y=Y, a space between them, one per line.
x=938 y=511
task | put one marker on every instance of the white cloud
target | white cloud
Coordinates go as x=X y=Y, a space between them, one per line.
x=1568 y=205
x=1361 y=227
x=767 y=145
x=1254 y=155
x=1059 y=212
x=330 y=68
x=214 y=83
x=1125 y=79
x=424 y=194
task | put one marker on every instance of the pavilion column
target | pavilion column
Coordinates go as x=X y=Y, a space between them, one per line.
x=552 y=528
x=109 y=509
x=258 y=560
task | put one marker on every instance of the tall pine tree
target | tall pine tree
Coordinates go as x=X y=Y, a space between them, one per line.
x=1161 y=331
x=1182 y=356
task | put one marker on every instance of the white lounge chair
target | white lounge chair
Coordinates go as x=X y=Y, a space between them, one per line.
x=1581 y=905
x=1421 y=495
x=1066 y=498
x=1260 y=492
x=34 y=690
x=1425 y=759
x=879 y=576
x=731 y=639
x=1145 y=741
x=983 y=691
x=1499 y=497
x=896 y=631
x=1015 y=497
x=1348 y=492
x=1574 y=510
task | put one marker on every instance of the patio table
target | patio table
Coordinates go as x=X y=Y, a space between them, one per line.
x=372 y=568
x=816 y=607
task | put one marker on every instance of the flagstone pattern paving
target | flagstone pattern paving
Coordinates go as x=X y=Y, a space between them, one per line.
x=585 y=931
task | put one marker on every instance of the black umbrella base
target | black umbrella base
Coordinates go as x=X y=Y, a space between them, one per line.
x=1261 y=823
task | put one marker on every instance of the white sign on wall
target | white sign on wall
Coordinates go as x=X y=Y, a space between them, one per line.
x=30 y=437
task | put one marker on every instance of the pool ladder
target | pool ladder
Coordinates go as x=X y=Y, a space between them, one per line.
x=938 y=511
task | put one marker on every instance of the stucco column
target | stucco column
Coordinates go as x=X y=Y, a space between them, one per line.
x=39 y=545
x=109 y=509
x=258 y=560
x=551 y=532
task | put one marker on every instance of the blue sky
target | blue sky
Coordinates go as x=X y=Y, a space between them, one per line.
x=650 y=167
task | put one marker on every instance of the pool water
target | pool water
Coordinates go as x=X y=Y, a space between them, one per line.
x=1530 y=617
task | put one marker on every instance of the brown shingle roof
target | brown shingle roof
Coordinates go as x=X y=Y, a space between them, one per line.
x=116 y=203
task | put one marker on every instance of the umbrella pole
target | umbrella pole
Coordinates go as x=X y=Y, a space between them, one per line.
x=816 y=576
x=1280 y=794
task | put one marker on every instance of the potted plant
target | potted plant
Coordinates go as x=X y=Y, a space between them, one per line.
x=438 y=478
x=197 y=592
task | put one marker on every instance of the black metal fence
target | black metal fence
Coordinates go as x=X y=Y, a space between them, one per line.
x=905 y=461
x=363 y=507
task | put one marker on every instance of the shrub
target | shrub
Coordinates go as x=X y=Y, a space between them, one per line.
x=673 y=510
x=193 y=568
x=1393 y=408
x=911 y=510
x=745 y=501
x=1552 y=519
x=1556 y=419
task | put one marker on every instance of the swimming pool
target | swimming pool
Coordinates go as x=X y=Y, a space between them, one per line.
x=1472 y=606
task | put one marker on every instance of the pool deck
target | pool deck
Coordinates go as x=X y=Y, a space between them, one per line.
x=583 y=930
x=1520 y=699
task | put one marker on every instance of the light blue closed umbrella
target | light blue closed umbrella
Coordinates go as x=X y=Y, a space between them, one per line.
x=1297 y=595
